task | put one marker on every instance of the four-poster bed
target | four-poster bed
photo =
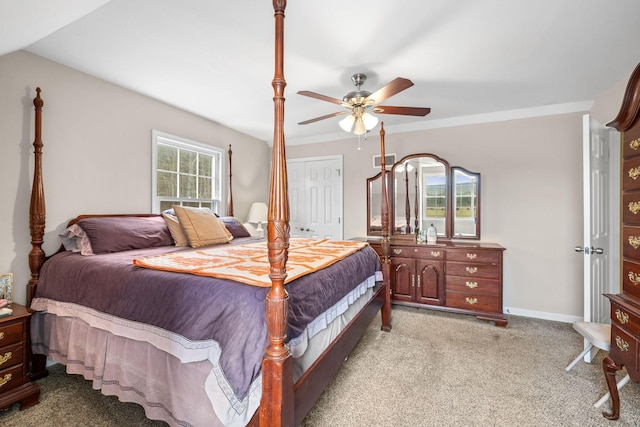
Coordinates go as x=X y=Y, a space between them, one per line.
x=108 y=344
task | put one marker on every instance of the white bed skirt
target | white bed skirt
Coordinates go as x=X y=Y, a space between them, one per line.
x=193 y=392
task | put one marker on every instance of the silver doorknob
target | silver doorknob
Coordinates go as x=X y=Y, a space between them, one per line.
x=597 y=251
x=579 y=249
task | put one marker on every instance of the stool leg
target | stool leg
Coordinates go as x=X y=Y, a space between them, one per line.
x=577 y=359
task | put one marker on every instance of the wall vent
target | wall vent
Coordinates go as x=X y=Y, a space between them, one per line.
x=389 y=160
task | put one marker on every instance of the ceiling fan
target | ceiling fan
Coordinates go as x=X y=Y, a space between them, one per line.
x=360 y=104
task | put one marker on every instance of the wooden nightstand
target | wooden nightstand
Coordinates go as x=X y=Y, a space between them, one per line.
x=15 y=384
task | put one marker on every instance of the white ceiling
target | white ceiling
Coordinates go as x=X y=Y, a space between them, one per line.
x=213 y=58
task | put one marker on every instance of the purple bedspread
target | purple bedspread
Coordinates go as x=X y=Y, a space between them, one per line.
x=197 y=307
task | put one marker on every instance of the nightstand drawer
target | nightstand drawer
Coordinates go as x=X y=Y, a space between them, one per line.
x=10 y=378
x=11 y=333
x=10 y=355
x=474 y=285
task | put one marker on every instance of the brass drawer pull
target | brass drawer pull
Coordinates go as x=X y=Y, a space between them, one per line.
x=471 y=300
x=634 y=207
x=472 y=256
x=1 y=335
x=634 y=173
x=471 y=270
x=622 y=316
x=397 y=251
x=435 y=253
x=635 y=144
x=471 y=284
x=622 y=344
x=634 y=278
x=5 y=380
x=5 y=358
x=634 y=241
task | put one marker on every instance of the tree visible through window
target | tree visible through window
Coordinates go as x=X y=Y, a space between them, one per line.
x=186 y=173
x=435 y=196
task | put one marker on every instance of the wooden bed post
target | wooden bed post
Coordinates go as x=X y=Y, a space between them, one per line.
x=37 y=211
x=386 y=245
x=276 y=405
x=230 y=199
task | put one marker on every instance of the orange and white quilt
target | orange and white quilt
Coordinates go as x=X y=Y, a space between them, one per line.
x=249 y=263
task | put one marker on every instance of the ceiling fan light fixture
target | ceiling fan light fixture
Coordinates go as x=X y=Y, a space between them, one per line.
x=359 y=127
x=370 y=121
x=347 y=123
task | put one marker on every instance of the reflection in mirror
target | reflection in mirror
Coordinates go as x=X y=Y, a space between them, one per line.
x=466 y=202
x=420 y=195
x=374 y=205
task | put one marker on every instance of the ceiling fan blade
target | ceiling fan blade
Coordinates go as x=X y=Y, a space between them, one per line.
x=405 y=111
x=317 y=119
x=320 y=97
x=395 y=86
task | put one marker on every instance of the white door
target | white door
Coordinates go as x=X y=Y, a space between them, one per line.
x=315 y=197
x=601 y=220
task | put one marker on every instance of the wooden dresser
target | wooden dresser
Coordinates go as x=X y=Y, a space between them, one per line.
x=462 y=277
x=15 y=384
x=625 y=307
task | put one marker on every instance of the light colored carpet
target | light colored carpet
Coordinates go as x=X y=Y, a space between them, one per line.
x=432 y=369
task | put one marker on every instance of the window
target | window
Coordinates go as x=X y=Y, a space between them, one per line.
x=185 y=173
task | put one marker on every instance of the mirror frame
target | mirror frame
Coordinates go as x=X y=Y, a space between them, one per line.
x=449 y=231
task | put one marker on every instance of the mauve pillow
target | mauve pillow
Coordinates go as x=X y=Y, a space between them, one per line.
x=122 y=233
x=235 y=227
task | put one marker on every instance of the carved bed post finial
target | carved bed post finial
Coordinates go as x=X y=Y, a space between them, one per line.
x=230 y=200
x=37 y=211
x=386 y=245
x=276 y=404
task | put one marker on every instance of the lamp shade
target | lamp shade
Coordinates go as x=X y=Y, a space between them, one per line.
x=257 y=213
x=347 y=123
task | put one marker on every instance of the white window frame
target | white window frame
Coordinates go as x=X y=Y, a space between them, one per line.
x=158 y=137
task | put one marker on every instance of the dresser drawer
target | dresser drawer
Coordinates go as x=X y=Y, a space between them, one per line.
x=624 y=319
x=631 y=144
x=423 y=252
x=10 y=356
x=10 y=378
x=631 y=208
x=631 y=278
x=470 y=269
x=474 y=255
x=474 y=285
x=10 y=333
x=631 y=174
x=473 y=301
x=624 y=347
x=631 y=242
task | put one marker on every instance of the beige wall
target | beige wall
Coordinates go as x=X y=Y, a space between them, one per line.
x=97 y=152
x=531 y=196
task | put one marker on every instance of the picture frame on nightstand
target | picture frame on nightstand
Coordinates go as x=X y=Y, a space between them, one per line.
x=6 y=286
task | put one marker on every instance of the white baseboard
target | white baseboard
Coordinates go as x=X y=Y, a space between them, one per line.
x=542 y=315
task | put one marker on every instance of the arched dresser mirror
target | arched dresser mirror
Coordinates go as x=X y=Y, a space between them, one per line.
x=425 y=190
